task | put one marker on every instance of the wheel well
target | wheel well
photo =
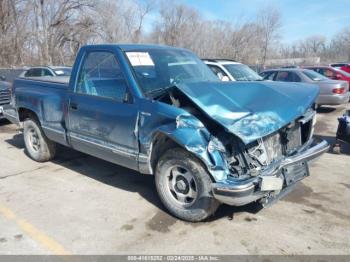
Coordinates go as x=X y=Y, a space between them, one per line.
x=162 y=143
x=24 y=113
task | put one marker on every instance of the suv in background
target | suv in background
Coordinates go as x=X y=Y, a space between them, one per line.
x=47 y=71
x=230 y=70
x=342 y=66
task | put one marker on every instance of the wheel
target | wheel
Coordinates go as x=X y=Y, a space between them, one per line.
x=38 y=146
x=184 y=186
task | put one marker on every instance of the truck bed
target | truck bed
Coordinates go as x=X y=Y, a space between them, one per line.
x=45 y=96
x=47 y=79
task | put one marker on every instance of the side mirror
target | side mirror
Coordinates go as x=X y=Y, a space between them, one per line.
x=2 y=78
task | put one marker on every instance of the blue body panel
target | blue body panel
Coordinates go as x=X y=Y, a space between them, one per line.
x=251 y=110
x=125 y=132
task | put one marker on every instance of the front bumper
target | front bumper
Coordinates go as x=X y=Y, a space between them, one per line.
x=277 y=179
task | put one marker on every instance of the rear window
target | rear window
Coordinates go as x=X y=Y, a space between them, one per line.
x=314 y=76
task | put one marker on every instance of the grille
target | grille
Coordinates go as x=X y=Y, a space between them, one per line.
x=285 y=142
x=4 y=97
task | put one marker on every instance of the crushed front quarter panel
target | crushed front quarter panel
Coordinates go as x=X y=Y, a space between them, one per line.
x=181 y=127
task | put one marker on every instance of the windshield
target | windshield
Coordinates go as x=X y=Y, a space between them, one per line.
x=242 y=72
x=159 y=69
x=64 y=71
x=314 y=76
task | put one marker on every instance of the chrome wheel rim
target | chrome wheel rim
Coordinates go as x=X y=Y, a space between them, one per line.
x=34 y=140
x=182 y=185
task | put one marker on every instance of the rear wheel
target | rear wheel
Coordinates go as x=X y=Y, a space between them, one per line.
x=184 y=186
x=38 y=146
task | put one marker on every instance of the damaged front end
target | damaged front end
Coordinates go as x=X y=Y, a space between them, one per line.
x=268 y=168
x=252 y=150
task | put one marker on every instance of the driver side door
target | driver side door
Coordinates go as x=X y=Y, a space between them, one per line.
x=101 y=112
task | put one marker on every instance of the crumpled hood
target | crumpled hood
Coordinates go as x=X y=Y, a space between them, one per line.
x=251 y=110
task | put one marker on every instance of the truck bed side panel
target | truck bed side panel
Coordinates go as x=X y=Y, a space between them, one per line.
x=47 y=100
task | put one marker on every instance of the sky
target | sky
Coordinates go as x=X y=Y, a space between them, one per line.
x=300 y=18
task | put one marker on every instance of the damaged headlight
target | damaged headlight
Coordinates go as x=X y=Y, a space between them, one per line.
x=188 y=121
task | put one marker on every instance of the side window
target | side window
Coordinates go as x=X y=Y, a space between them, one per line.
x=281 y=76
x=34 y=72
x=100 y=75
x=285 y=76
x=295 y=77
x=217 y=71
x=45 y=72
x=328 y=73
x=268 y=75
x=29 y=73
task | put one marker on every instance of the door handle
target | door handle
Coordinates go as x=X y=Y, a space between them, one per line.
x=73 y=106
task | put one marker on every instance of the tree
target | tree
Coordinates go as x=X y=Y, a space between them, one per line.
x=269 y=22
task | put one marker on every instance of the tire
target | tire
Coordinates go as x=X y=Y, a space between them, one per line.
x=38 y=146
x=184 y=186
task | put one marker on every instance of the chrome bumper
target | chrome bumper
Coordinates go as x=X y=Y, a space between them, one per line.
x=272 y=179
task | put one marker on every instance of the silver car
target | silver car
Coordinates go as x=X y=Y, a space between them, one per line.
x=53 y=71
x=332 y=92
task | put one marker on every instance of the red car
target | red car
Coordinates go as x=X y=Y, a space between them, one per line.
x=342 y=66
x=331 y=72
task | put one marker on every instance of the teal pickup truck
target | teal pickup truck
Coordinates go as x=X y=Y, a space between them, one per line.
x=160 y=110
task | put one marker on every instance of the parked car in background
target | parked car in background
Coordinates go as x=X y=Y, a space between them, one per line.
x=342 y=66
x=230 y=70
x=54 y=71
x=332 y=92
x=4 y=94
x=331 y=72
x=160 y=110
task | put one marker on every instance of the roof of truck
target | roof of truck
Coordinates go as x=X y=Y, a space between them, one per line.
x=131 y=47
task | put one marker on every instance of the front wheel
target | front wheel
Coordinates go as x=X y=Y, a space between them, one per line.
x=184 y=186
x=38 y=146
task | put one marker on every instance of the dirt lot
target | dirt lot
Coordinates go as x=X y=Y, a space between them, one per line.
x=78 y=204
